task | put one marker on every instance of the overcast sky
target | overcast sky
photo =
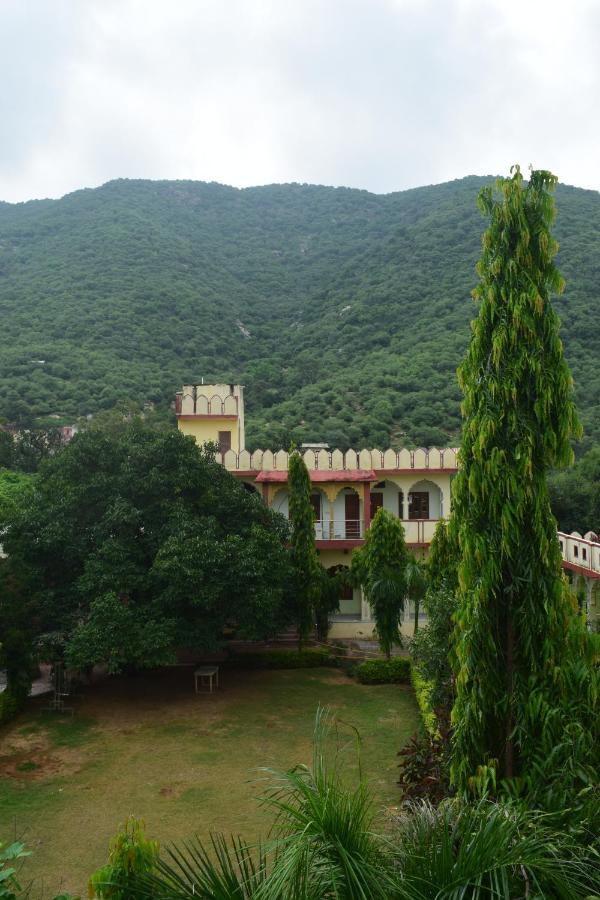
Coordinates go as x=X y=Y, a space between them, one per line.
x=376 y=94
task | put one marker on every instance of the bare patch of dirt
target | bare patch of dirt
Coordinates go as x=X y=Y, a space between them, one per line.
x=28 y=755
x=29 y=766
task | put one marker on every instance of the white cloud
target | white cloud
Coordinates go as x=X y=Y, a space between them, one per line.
x=379 y=94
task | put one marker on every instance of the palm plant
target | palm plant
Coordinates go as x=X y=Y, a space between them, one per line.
x=219 y=871
x=485 y=849
x=326 y=842
x=325 y=846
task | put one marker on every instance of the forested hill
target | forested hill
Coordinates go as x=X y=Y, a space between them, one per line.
x=344 y=313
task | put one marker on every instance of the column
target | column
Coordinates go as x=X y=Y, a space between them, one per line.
x=365 y=609
x=367 y=505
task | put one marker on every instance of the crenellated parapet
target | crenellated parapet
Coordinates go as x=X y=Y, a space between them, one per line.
x=325 y=460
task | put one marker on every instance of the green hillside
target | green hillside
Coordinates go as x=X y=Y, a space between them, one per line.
x=345 y=313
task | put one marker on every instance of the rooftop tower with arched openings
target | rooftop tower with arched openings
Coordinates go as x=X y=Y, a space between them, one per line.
x=212 y=413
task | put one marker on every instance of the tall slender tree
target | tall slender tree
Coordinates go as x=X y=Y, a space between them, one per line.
x=416 y=585
x=305 y=562
x=380 y=567
x=519 y=417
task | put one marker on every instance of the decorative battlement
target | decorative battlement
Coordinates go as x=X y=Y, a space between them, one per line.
x=209 y=400
x=324 y=460
x=212 y=413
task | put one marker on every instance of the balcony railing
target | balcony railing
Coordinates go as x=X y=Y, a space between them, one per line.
x=417 y=531
x=340 y=530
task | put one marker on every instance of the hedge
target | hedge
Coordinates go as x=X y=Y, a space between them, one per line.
x=284 y=659
x=384 y=671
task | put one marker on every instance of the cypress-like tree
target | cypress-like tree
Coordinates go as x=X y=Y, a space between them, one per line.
x=519 y=416
x=305 y=562
x=380 y=567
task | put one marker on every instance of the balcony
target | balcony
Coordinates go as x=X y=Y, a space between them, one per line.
x=417 y=531
x=340 y=530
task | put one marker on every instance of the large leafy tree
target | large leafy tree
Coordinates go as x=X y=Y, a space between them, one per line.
x=135 y=542
x=303 y=552
x=519 y=417
x=380 y=566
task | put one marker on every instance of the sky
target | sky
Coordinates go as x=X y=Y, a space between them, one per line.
x=382 y=95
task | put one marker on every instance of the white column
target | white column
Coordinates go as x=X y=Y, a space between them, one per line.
x=365 y=609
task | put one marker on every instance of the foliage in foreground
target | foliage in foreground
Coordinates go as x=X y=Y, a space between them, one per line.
x=10 y=889
x=326 y=843
x=130 y=855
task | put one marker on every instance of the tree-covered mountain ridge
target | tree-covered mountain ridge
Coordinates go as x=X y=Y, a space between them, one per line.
x=344 y=313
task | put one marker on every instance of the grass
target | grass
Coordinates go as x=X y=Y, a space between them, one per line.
x=188 y=764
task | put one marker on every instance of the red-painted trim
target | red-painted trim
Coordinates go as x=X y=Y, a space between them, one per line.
x=346 y=544
x=245 y=473
x=319 y=476
x=188 y=416
x=581 y=570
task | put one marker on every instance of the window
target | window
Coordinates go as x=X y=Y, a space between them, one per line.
x=418 y=505
x=224 y=441
x=584 y=553
x=315 y=499
x=575 y=552
x=376 y=503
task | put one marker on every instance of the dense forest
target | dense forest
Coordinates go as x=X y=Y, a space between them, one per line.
x=344 y=313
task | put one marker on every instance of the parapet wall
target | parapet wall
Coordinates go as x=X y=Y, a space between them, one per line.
x=338 y=460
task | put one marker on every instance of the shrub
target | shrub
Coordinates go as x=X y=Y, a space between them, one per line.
x=131 y=855
x=384 y=671
x=423 y=690
x=425 y=770
x=284 y=659
x=12 y=699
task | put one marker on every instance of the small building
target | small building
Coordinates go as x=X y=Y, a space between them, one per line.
x=348 y=487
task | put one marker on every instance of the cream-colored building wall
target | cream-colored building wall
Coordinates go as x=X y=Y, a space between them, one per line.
x=206 y=430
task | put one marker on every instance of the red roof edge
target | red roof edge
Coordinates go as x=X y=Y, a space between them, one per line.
x=317 y=475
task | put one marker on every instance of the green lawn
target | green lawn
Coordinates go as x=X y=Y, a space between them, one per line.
x=148 y=745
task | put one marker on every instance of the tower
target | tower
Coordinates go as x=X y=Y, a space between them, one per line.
x=212 y=413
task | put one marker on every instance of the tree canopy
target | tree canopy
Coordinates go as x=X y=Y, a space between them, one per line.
x=135 y=542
